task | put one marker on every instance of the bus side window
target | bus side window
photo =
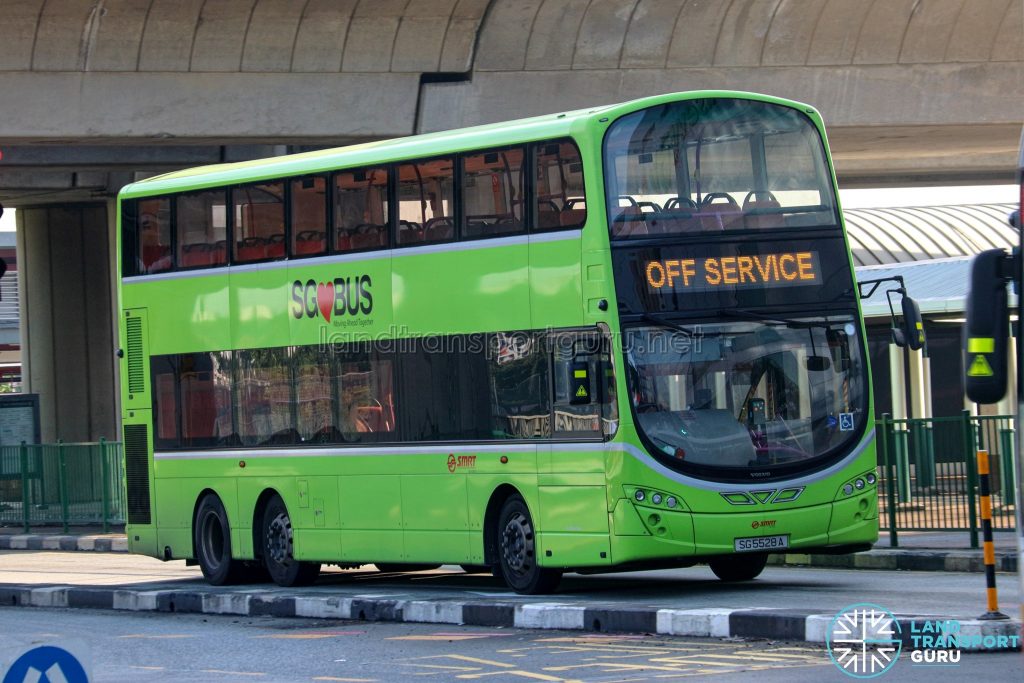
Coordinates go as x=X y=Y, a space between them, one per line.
x=201 y=224
x=259 y=222
x=519 y=386
x=576 y=369
x=360 y=209
x=164 y=376
x=426 y=202
x=153 y=220
x=366 y=406
x=309 y=216
x=492 y=193
x=316 y=386
x=204 y=389
x=559 y=190
x=263 y=388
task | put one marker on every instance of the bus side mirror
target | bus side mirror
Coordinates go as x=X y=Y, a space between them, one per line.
x=986 y=331
x=913 y=324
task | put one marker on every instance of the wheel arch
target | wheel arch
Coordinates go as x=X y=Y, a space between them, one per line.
x=257 y=519
x=195 y=514
x=494 y=504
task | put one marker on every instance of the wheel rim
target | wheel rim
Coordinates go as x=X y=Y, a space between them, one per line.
x=213 y=539
x=517 y=546
x=279 y=539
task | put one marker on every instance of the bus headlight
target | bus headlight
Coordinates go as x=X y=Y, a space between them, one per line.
x=656 y=499
x=859 y=483
x=872 y=478
x=670 y=501
x=639 y=495
x=848 y=489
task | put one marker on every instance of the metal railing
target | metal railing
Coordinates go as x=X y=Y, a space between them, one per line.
x=929 y=473
x=62 y=484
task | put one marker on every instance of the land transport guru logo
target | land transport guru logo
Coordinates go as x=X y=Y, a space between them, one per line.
x=340 y=298
x=865 y=641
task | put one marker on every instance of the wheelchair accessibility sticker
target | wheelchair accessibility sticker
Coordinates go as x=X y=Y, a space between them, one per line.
x=46 y=663
x=846 y=422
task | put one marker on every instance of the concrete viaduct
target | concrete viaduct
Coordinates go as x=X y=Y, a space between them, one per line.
x=96 y=93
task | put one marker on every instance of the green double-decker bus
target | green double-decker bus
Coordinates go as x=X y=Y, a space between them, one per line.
x=623 y=337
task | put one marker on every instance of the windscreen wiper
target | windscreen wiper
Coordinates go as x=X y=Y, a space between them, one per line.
x=761 y=317
x=662 y=322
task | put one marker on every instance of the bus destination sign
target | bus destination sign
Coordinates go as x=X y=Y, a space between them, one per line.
x=702 y=274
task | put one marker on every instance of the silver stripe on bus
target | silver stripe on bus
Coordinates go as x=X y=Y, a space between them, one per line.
x=471 y=245
x=554 y=447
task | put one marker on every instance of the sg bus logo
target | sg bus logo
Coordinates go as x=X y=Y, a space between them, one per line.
x=338 y=297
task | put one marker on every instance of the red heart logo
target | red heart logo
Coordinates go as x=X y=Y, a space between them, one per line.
x=325 y=299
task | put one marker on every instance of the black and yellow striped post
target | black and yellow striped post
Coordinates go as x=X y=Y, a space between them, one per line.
x=986 y=533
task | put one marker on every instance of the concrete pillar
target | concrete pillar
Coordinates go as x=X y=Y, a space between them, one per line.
x=897 y=393
x=67 y=322
x=920 y=394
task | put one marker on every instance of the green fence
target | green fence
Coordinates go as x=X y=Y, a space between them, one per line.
x=929 y=473
x=62 y=484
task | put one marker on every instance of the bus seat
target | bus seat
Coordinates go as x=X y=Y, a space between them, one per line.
x=252 y=249
x=757 y=200
x=275 y=246
x=629 y=222
x=310 y=242
x=218 y=253
x=155 y=258
x=194 y=255
x=572 y=217
x=439 y=229
x=720 y=215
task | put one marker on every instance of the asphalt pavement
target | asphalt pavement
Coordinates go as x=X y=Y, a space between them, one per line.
x=184 y=647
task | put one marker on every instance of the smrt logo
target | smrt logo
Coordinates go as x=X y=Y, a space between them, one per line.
x=338 y=297
x=461 y=461
x=760 y=524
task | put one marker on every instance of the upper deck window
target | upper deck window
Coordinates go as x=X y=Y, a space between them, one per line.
x=202 y=229
x=259 y=222
x=309 y=216
x=361 y=209
x=560 y=198
x=426 y=201
x=154 y=221
x=714 y=165
x=492 y=192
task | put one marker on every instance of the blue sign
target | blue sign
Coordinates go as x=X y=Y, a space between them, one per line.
x=846 y=422
x=46 y=664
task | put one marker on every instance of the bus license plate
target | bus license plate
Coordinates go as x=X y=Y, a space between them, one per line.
x=761 y=543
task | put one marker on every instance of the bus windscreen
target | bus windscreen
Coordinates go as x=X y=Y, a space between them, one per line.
x=715 y=165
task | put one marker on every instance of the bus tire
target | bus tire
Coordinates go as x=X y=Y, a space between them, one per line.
x=517 y=551
x=281 y=564
x=739 y=567
x=211 y=535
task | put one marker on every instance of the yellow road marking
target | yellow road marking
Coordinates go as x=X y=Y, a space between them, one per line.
x=518 y=672
x=298 y=636
x=447 y=667
x=157 y=637
x=437 y=637
x=474 y=660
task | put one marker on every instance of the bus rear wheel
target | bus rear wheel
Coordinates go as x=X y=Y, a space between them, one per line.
x=278 y=555
x=739 y=567
x=517 y=551
x=211 y=536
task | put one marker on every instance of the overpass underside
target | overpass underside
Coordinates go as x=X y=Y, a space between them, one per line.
x=97 y=93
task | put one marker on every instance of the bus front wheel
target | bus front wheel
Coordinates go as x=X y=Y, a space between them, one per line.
x=278 y=556
x=211 y=536
x=739 y=567
x=517 y=551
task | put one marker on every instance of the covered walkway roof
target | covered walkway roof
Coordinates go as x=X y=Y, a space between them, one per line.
x=930 y=247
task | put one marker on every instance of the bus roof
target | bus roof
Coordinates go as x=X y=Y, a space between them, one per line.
x=413 y=147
